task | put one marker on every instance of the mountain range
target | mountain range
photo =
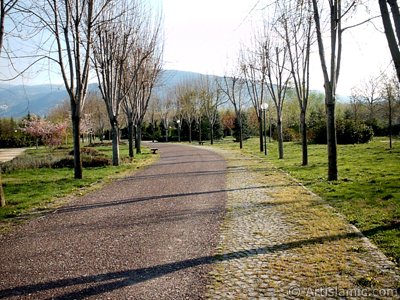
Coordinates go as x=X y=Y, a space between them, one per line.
x=18 y=100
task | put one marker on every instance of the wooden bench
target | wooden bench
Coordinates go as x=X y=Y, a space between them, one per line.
x=154 y=150
x=201 y=143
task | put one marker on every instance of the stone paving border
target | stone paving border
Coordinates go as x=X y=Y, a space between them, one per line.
x=280 y=241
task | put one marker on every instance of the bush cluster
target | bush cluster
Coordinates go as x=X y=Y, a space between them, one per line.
x=28 y=162
x=90 y=151
x=91 y=158
x=87 y=162
x=347 y=131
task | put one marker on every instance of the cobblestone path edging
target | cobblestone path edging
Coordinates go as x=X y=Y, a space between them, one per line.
x=280 y=241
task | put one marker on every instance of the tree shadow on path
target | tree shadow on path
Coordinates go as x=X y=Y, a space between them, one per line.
x=108 y=282
x=84 y=207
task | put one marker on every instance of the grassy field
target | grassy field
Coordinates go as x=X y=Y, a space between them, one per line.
x=32 y=190
x=367 y=192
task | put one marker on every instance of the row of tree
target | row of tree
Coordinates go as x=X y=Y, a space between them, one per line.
x=279 y=59
x=118 y=41
x=190 y=103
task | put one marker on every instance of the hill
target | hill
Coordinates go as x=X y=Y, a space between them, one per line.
x=17 y=100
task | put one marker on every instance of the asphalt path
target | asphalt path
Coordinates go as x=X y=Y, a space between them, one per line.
x=7 y=154
x=148 y=236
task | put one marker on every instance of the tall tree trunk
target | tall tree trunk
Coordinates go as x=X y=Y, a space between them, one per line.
x=153 y=130
x=331 y=139
x=212 y=134
x=260 y=128
x=200 y=130
x=240 y=133
x=304 y=147
x=280 y=136
x=390 y=123
x=76 y=120
x=330 y=82
x=135 y=136
x=389 y=31
x=115 y=143
x=190 y=132
x=130 y=139
x=139 y=138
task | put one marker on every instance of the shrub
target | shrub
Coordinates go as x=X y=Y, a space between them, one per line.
x=66 y=162
x=290 y=135
x=28 y=162
x=349 y=132
x=94 y=162
x=88 y=151
x=87 y=162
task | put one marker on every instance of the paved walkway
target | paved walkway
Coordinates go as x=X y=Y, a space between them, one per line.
x=148 y=236
x=279 y=241
x=160 y=235
x=7 y=154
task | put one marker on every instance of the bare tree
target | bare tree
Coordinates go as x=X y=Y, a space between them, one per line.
x=390 y=91
x=140 y=84
x=296 y=21
x=117 y=37
x=336 y=14
x=96 y=107
x=186 y=97
x=211 y=97
x=151 y=72
x=254 y=68
x=166 y=112
x=356 y=104
x=152 y=114
x=70 y=24
x=198 y=110
x=278 y=76
x=5 y=9
x=233 y=88
x=368 y=92
x=391 y=25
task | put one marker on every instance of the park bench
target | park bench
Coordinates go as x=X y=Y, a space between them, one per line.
x=154 y=150
x=201 y=143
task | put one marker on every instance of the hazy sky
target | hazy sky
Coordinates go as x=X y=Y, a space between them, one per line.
x=205 y=36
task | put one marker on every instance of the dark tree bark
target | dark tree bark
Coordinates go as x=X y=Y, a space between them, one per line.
x=5 y=8
x=331 y=77
x=233 y=88
x=388 y=23
x=130 y=139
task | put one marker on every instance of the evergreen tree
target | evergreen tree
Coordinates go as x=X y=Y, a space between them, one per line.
x=246 y=131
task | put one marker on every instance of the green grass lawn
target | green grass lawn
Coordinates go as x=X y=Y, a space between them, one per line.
x=33 y=189
x=367 y=192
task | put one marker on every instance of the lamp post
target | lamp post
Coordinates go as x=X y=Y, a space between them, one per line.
x=264 y=108
x=179 y=129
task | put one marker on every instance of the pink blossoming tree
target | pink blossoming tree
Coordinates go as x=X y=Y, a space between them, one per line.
x=51 y=134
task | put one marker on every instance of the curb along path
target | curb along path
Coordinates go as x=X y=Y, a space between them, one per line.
x=280 y=241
